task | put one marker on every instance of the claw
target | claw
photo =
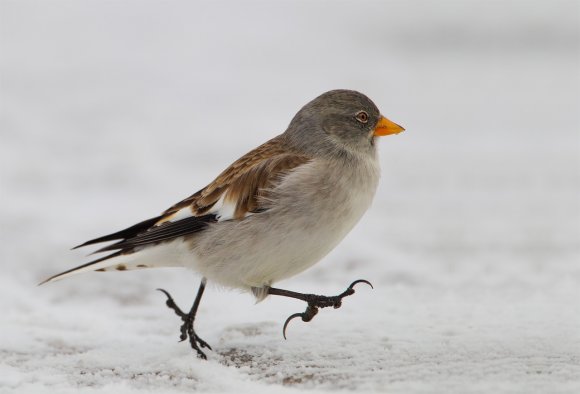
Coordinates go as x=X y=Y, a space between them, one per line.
x=169 y=298
x=360 y=281
x=194 y=340
x=288 y=321
x=165 y=292
x=315 y=302
x=172 y=305
x=203 y=343
x=186 y=329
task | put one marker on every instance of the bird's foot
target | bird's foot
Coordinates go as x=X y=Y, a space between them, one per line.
x=186 y=328
x=318 y=301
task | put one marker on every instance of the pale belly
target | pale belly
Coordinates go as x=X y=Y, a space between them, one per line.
x=304 y=226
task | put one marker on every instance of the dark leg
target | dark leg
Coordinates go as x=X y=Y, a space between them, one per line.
x=188 y=319
x=314 y=301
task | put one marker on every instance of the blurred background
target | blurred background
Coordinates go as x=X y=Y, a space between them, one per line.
x=113 y=111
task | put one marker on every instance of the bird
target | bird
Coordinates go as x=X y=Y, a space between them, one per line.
x=270 y=215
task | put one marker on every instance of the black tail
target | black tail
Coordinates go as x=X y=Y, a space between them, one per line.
x=124 y=234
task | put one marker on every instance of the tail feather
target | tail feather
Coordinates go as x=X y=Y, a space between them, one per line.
x=127 y=233
x=143 y=245
x=174 y=253
x=90 y=266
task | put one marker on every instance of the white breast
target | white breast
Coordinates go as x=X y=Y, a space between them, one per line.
x=312 y=211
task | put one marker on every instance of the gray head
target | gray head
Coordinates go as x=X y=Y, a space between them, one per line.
x=339 y=121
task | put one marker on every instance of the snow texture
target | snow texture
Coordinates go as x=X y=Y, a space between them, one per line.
x=113 y=111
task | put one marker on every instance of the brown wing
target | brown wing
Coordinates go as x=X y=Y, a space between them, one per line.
x=244 y=182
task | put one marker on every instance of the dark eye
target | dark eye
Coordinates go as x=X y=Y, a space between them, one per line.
x=362 y=116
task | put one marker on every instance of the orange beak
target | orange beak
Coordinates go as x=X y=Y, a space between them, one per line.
x=386 y=127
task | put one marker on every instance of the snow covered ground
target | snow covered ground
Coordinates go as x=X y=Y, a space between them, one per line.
x=112 y=111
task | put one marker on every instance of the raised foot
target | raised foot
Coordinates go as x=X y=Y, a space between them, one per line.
x=318 y=301
x=186 y=328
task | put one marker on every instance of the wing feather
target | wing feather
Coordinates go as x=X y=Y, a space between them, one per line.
x=164 y=232
x=241 y=190
x=246 y=181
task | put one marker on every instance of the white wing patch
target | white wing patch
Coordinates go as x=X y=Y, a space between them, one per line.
x=224 y=210
x=181 y=214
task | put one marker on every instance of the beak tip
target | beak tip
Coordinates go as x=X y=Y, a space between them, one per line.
x=386 y=127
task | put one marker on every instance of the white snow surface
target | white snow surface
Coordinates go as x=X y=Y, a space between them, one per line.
x=113 y=111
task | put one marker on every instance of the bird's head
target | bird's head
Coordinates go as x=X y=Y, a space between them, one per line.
x=345 y=119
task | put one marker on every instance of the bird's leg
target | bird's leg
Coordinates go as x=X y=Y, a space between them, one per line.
x=314 y=301
x=188 y=319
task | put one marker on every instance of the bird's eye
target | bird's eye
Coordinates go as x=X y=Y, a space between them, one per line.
x=362 y=116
